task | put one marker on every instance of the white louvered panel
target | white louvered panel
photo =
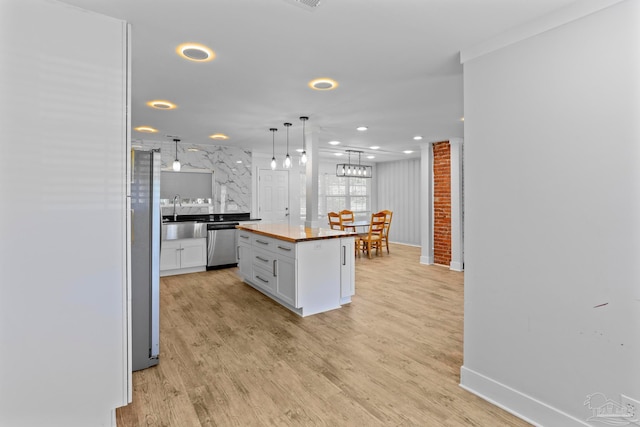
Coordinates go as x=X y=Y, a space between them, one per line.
x=399 y=191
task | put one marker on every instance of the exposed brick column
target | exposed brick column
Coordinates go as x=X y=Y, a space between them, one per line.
x=442 y=203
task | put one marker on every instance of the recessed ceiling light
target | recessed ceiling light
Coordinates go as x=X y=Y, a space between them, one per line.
x=337 y=154
x=218 y=136
x=299 y=150
x=334 y=142
x=238 y=161
x=145 y=129
x=192 y=149
x=408 y=151
x=462 y=119
x=371 y=157
x=362 y=128
x=323 y=84
x=195 y=52
x=374 y=147
x=417 y=137
x=160 y=104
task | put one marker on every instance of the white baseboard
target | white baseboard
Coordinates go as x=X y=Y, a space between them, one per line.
x=428 y=260
x=517 y=403
x=456 y=266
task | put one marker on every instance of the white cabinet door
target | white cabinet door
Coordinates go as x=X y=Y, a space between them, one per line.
x=193 y=253
x=244 y=261
x=170 y=255
x=286 y=280
x=347 y=268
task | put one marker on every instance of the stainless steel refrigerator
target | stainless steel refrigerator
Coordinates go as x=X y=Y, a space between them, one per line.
x=145 y=258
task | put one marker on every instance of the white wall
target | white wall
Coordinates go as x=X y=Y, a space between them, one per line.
x=231 y=178
x=64 y=357
x=552 y=215
x=398 y=190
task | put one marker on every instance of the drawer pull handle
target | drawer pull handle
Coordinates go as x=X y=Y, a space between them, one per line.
x=262 y=259
x=262 y=242
x=283 y=248
x=261 y=279
x=244 y=237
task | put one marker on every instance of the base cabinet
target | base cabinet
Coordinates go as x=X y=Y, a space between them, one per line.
x=183 y=256
x=244 y=260
x=286 y=280
x=308 y=277
x=347 y=270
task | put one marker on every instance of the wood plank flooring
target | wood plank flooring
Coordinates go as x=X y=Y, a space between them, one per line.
x=229 y=356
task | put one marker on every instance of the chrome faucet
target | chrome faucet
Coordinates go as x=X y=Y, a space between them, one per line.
x=175 y=198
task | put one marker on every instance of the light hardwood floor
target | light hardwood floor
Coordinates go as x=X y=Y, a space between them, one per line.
x=229 y=356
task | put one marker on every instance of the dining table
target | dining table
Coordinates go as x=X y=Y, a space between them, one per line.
x=355 y=224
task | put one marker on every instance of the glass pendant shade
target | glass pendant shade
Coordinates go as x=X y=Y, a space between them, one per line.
x=287 y=158
x=176 y=162
x=303 y=157
x=273 y=148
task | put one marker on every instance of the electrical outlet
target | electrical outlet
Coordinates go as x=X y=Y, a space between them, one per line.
x=633 y=407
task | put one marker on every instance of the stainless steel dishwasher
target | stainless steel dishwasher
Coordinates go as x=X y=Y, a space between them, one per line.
x=221 y=245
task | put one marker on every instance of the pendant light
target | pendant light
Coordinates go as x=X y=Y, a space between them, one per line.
x=273 y=148
x=303 y=157
x=351 y=169
x=287 y=159
x=176 y=162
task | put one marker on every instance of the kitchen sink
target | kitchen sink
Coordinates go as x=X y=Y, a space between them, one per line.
x=183 y=230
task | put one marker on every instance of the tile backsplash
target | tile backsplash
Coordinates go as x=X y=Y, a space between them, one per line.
x=231 y=168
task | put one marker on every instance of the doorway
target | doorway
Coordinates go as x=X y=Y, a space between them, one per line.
x=273 y=196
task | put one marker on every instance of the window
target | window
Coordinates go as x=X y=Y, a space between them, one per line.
x=339 y=193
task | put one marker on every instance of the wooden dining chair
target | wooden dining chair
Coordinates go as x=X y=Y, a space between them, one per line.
x=334 y=221
x=373 y=239
x=347 y=216
x=387 y=224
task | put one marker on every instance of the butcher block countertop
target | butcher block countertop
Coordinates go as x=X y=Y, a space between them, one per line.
x=294 y=233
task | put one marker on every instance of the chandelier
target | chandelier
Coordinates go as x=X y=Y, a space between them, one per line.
x=353 y=170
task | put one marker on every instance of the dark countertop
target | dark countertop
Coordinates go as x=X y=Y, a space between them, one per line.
x=218 y=217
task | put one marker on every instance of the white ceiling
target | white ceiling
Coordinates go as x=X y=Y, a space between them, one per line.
x=396 y=62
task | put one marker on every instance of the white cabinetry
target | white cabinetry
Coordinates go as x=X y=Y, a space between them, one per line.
x=308 y=277
x=244 y=254
x=183 y=256
x=286 y=280
x=347 y=270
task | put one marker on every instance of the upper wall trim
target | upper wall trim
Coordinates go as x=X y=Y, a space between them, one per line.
x=548 y=22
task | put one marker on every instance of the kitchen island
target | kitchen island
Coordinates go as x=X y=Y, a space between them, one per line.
x=307 y=270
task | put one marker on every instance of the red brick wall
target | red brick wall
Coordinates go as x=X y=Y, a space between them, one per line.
x=442 y=203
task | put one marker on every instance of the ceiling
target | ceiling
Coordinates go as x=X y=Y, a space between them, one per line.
x=396 y=63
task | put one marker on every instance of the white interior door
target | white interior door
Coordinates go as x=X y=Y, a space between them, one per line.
x=273 y=196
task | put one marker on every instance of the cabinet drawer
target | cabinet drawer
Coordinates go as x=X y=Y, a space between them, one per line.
x=262 y=242
x=262 y=259
x=283 y=248
x=264 y=279
x=244 y=237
